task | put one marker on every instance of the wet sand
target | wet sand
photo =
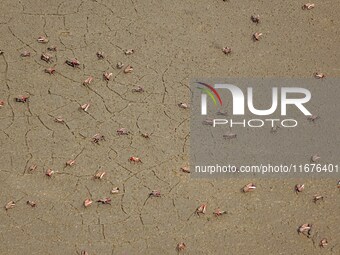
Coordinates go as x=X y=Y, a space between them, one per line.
x=174 y=41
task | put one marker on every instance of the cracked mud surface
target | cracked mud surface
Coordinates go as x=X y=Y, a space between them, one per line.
x=174 y=42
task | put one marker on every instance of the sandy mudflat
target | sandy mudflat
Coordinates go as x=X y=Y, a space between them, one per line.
x=174 y=41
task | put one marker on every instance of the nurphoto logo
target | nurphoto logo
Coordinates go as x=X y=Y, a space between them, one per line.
x=280 y=98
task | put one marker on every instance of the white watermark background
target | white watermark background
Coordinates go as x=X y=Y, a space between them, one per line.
x=266 y=127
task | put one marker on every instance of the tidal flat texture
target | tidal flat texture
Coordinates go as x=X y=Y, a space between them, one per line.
x=172 y=42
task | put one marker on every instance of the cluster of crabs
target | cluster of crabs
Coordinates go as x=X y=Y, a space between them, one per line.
x=258 y=35
x=305 y=229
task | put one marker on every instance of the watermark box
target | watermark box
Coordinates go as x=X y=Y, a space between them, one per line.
x=265 y=127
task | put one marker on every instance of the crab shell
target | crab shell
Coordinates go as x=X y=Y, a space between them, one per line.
x=49 y=172
x=257 y=36
x=32 y=168
x=249 y=187
x=319 y=75
x=299 y=187
x=115 y=190
x=305 y=227
x=128 y=69
x=308 y=6
x=42 y=39
x=255 y=18
x=25 y=54
x=201 y=209
x=85 y=107
x=135 y=159
x=226 y=50
x=185 y=169
x=181 y=246
x=88 y=80
x=31 y=203
x=315 y=158
x=323 y=242
x=10 y=205
x=107 y=76
x=50 y=70
x=70 y=162
x=88 y=202
x=99 y=175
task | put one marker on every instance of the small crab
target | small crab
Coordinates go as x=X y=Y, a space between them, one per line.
x=32 y=168
x=299 y=188
x=42 y=39
x=2 y=103
x=249 y=187
x=274 y=129
x=97 y=138
x=313 y=118
x=25 y=53
x=305 y=229
x=226 y=50
x=59 y=119
x=85 y=107
x=50 y=70
x=185 y=169
x=308 y=6
x=315 y=158
x=1 y=52
x=100 y=55
x=145 y=135
x=319 y=75
x=49 y=172
x=73 y=62
x=52 y=48
x=222 y=113
x=123 y=131
x=219 y=212
x=155 y=193
x=88 y=80
x=138 y=89
x=10 y=205
x=338 y=184
x=317 y=198
x=46 y=57
x=107 y=76
x=99 y=175
x=120 y=65
x=87 y=202
x=22 y=99
x=70 y=162
x=201 y=209
x=129 y=51
x=128 y=69
x=106 y=200
x=208 y=122
x=31 y=203
x=255 y=18
x=230 y=135
x=115 y=190
x=181 y=246
x=257 y=36
x=135 y=160
x=84 y=253
x=183 y=105
x=323 y=243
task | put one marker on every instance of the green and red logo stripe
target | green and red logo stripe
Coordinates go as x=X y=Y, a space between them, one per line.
x=208 y=92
